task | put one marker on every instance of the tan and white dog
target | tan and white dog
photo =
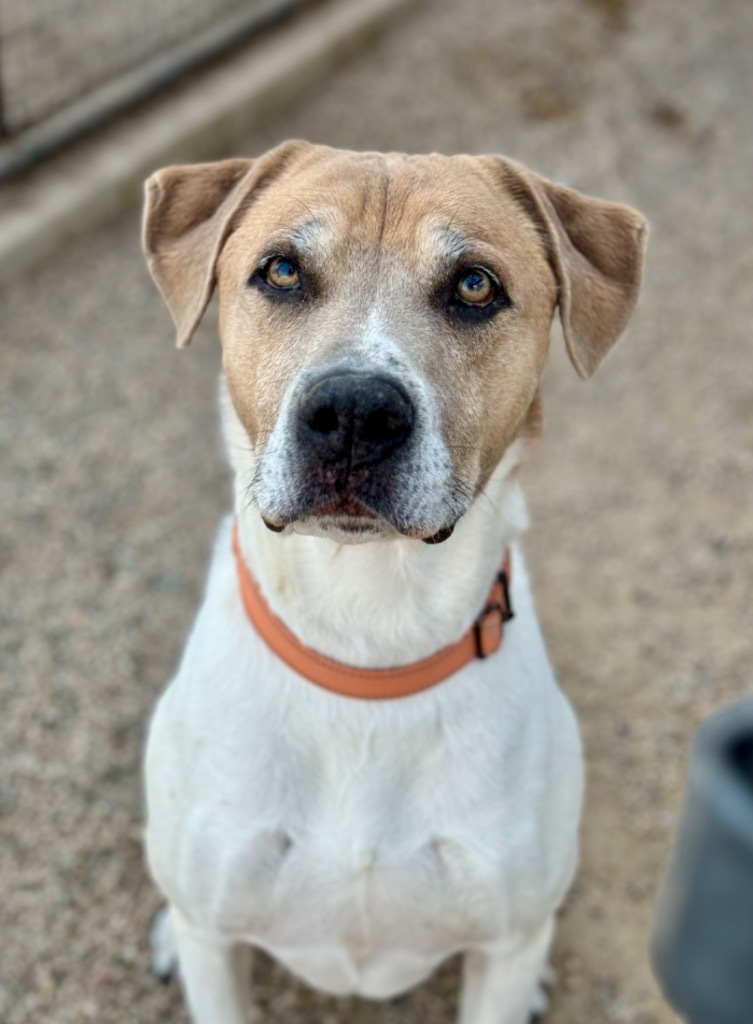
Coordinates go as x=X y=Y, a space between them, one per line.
x=384 y=322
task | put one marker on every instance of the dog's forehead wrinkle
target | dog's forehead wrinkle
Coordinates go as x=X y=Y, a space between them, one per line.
x=364 y=232
x=385 y=194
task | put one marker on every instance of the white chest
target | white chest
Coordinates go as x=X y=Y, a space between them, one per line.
x=363 y=884
x=353 y=858
x=361 y=842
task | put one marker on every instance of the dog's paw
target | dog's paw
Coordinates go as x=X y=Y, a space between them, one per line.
x=164 y=950
x=540 y=1001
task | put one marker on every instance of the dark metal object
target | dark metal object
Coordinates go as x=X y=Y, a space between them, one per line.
x=504 y=581
x=86 y=115
x=503 y=610
x=702 y=947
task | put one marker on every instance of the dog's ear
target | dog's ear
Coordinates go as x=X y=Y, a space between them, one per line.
x=188 y=215
x=596 y=250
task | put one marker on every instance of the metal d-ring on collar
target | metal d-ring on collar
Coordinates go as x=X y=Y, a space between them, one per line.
x=497 y=611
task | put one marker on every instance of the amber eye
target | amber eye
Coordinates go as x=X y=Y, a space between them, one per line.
x=281 y=272
x=476 y=288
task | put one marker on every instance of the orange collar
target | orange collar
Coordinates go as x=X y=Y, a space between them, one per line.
x=482 y=639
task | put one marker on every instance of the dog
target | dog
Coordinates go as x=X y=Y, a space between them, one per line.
x=364 y=764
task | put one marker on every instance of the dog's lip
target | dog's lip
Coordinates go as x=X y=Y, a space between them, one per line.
x=347 y=507
x=355 y=526
x=440 y=536
x=349 y=515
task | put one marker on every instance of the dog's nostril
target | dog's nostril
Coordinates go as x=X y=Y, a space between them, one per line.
x=323 y=420
x=382 y=426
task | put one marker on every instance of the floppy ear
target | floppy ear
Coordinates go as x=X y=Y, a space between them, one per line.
x=188 y=215
x=596 y=251
x=186 y=219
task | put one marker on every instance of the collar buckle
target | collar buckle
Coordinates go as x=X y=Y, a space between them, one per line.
x=489 y=626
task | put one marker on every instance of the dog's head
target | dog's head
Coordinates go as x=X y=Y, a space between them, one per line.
x=385 y=319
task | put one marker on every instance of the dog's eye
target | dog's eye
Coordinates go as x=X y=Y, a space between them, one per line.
x=282 y=273
x=476 y=288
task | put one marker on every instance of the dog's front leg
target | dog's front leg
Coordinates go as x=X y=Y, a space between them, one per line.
x=504 y=988
x=213 y=973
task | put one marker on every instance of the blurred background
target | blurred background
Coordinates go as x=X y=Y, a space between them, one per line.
x=113 y=481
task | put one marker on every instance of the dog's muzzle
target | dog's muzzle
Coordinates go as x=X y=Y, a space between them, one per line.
x=358 y=460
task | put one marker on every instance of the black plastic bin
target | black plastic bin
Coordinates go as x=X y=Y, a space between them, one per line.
x=702 y=946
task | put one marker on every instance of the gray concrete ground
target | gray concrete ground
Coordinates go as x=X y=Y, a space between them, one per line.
x=641 y=496
x=53 y=53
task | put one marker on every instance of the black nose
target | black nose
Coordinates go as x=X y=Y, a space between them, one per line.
x=355 y=418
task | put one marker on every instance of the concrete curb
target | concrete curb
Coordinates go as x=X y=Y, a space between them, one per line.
x=202 y=121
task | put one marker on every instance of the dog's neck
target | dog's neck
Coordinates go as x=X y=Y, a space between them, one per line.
x=387 y=602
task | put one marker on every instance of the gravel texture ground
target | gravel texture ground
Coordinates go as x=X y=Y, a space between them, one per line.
x=641 y=497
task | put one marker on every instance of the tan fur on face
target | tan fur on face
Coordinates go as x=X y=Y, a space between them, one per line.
x=379 y=240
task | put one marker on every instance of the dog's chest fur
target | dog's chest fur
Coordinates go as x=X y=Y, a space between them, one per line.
x=360 y=842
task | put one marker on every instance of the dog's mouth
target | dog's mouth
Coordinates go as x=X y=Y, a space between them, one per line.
x=354 y=518
x=343 y=514
x=344 y=507
x=347 y=515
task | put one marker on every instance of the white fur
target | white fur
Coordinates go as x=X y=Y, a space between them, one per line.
x=363 y=842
